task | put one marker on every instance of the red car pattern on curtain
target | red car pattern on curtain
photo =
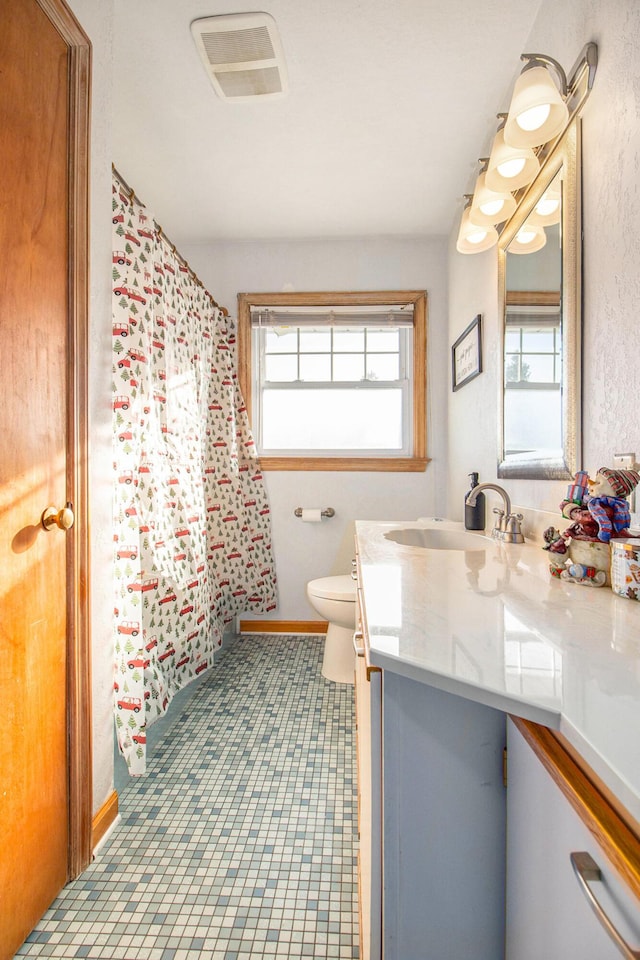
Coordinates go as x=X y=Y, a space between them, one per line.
x=192 y=531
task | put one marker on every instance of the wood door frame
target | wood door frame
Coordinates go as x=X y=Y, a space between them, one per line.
x=78 y=692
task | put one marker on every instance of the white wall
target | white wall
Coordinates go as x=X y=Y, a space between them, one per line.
x=96 y=20
x=611 y=270
x=304 y=551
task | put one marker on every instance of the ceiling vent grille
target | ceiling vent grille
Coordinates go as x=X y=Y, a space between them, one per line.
x=242 y=55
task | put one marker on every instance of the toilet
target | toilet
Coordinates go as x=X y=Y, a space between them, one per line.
x=334 y=598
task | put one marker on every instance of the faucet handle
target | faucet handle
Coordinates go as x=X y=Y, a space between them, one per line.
x=513 y=529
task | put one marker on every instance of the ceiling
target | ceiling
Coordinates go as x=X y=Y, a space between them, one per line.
x=389 y=106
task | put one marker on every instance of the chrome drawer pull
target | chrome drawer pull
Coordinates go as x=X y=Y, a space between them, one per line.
x=586 y=869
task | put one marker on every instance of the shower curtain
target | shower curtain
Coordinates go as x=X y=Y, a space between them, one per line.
x=192 y=533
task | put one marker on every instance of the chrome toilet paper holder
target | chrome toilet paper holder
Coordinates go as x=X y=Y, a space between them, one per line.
x=327 y=512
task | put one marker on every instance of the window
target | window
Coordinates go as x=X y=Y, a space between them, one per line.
x=533 y=374
x=335 y=381
x=533 y=348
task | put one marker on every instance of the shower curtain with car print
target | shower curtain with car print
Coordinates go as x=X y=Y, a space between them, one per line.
x=192 y=537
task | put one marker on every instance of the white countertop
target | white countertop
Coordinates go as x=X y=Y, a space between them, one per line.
x=494 y=626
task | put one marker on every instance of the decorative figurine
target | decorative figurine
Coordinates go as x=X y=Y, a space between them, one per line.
x=599 y=512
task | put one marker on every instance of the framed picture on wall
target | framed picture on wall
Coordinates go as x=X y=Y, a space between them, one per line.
x=466 y=355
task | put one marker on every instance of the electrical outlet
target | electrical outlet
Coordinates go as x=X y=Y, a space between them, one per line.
x=625 y=461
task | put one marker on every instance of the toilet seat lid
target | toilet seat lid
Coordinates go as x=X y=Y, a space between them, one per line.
x=334 y=588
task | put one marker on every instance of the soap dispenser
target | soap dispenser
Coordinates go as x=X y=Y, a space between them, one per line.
x=474 y=516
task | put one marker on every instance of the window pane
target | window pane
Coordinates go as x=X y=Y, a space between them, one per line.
x=281 y=339
x=317 y=420
x=541 y=368
x=348 y=366
x=538 y=341
x=345 y=339
x=383 y=340
x=512 y=340
x=315 y=367
x=512 y=368
x=383 y=366
x=313 y=341
x=281 y=368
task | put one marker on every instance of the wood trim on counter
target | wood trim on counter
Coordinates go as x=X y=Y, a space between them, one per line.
x=613 y=827
x=283 y=626
x=104 y=818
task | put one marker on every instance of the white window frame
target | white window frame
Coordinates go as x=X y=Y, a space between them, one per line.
x=413 y=455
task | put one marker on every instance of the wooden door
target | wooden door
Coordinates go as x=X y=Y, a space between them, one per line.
x=39 y=454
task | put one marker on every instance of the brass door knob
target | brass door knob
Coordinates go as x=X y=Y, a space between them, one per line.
x=63 y=519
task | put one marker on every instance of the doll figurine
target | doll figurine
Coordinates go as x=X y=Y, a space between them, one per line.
x=607 y=505
x=599 y=512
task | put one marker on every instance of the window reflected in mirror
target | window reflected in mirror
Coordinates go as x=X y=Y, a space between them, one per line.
x=533 y=376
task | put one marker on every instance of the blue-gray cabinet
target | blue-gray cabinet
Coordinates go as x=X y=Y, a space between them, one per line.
x=432 y=837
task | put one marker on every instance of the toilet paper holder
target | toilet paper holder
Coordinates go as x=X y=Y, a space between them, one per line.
x=327 y=512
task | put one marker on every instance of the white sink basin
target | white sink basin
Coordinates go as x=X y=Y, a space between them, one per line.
x=431 y=539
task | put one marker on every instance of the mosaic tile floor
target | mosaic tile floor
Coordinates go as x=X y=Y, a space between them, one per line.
x=241 y=839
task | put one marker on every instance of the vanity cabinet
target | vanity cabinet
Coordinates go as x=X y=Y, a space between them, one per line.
x=450 y=649
x=547 y=913
x=431 y=821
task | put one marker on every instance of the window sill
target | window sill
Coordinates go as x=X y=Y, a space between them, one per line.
x=331 y=464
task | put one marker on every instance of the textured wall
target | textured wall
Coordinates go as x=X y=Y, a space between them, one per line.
x=611 y=271
x=305 y=551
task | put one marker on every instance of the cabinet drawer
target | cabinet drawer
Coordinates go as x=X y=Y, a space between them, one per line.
x=548 y=914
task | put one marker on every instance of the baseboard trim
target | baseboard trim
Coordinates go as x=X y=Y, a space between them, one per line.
x=103 y=819
x=283 y=626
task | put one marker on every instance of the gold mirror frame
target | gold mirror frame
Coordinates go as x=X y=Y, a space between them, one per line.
x=564 y=159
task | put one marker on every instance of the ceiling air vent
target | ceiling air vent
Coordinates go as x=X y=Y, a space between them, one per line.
x=242 y=55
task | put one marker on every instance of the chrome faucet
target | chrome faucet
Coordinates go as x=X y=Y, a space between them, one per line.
x=507 y=526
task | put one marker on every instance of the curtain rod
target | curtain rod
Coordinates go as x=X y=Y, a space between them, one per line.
x=131 y=196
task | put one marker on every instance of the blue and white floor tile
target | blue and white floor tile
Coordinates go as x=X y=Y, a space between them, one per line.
x=240 y=842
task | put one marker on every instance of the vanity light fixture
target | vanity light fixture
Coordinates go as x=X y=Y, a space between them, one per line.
x=538 y=110
x=529 y=239
x=474 y=237
x=542 y=107
x=489 y=207
x=510 y=167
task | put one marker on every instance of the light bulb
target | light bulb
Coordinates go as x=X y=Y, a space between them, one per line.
x=529 y=239
x=526 y=235
x=548 y=209
x=547 y=206
x=533 y=118
x=538 y=112
x=473 y=237
x=511 y=168
x=492 y=206
x=477 y=236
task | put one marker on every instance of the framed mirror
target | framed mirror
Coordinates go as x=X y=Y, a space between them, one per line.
x=540 y=279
